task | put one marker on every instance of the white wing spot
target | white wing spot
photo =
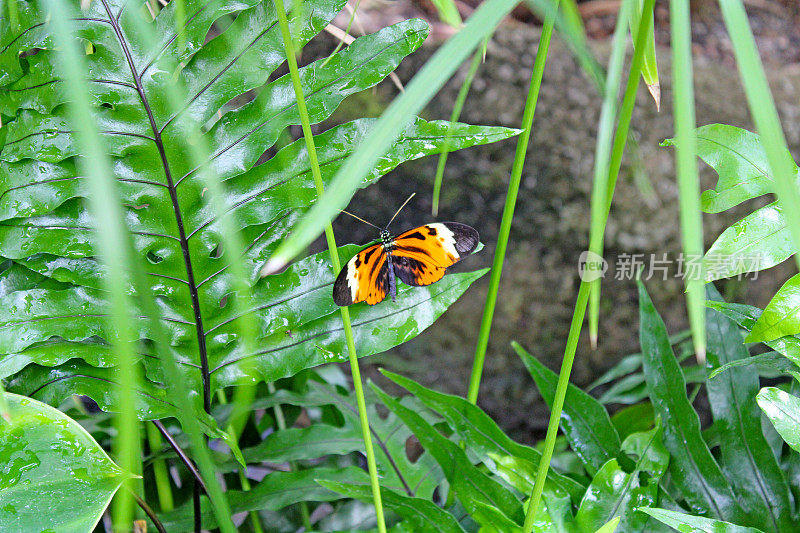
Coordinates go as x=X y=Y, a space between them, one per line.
x=352 y=273
x=447 y=238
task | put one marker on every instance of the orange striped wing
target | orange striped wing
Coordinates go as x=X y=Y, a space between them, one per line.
x=365 y=278
x=421 y=255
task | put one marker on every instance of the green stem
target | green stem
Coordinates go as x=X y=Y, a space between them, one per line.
x=160 y=474
x=605 y=134
x=585 y=288
x=686 y=166
x=511 y=201
x=459 y=105
x=329 y=237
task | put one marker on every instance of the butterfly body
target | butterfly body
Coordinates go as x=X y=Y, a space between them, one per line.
x=417 y=257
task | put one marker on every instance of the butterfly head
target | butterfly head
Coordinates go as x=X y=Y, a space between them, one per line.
x=386 y=238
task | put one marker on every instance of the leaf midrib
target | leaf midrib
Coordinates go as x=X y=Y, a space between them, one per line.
x=198 y=319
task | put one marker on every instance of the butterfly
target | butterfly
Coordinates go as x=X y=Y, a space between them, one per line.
x=416 y=257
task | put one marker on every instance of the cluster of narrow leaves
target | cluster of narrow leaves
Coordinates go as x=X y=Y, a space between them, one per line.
x=651 y=466
x=54 y=339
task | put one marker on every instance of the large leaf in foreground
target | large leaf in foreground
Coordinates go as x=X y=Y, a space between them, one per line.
x=694 y=470
x=150 y=127
x=781 y=317
x=54 y=476
x=783 y=410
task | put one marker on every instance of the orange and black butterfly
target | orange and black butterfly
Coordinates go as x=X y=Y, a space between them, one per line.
x=417 y=257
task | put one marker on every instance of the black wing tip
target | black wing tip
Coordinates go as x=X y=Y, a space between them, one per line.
x=341 y=290
x=467 y=237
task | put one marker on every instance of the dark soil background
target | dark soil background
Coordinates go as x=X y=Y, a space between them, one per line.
x=550 y=229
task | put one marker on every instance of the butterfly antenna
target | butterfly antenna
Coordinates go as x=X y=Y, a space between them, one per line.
x=401 y=208
x=359 y=218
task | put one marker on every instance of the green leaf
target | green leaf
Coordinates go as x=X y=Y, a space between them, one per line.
x=746 y=316
x=758 y=241
x=738 y=157
x=689 y=524
x=469 y=484
x=781 y=316
x=633 y=419
x=609 y=527
x=615 y=492
x=783 y=410
x=54 y=477
x=483 y=436
x=693 y=469
x=746 y=458
x=276 y=491
x=421 y=514
x=54 y=284
x=584 y=420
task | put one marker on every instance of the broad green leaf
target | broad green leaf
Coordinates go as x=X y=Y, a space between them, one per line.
x=54 y=476
x=421 y=514
x=482 y=435
x=758 y=241
x=783 y=410
x=692 y=467
x=492 y=520
x=54 y=284
x=276 y=491
x=615 y=492
x=738 y=157
x=584 y=420
x=746 y=316
x=686 y=523
x=781 y=317
x=468 y=483
x=745 y=455
x=770 y=364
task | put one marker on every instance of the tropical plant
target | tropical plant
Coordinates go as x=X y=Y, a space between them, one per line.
x=188 y=113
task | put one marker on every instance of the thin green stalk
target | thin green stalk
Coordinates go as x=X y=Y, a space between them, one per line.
x=113 y=247
x=686 y=166
x=160 y=474
x=233 y=430
x=608 y=114
x=558 y=405
x=621 y=136
x=459 y=105
x=511 y=201
x=346 y=31
x=329 y=237
x=765 y=115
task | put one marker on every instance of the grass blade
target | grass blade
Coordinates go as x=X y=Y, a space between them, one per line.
x=686 y=166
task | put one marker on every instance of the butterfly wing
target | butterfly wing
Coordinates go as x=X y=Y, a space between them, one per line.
x=365 y=278
x=421 y=255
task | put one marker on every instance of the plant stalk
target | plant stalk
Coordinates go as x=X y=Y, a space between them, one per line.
x=329 y=237
x=584 y=290
x=511 y=201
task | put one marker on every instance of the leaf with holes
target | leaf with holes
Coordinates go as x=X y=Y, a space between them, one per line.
x=160 y=89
